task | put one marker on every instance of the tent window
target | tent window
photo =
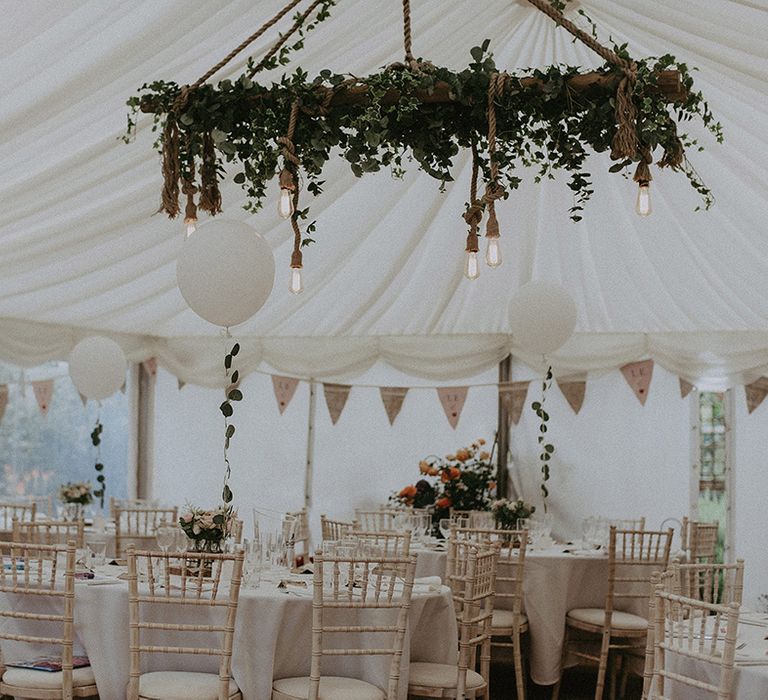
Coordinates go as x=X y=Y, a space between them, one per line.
x=40 y=452
x=713 y=462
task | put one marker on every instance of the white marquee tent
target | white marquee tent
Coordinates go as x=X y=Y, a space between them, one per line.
x=81 y=251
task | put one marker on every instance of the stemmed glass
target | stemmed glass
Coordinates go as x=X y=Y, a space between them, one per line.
x=445 y=527
x=165 y=536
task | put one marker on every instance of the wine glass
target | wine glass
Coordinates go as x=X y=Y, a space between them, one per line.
x=445 y=527
x=165 y=536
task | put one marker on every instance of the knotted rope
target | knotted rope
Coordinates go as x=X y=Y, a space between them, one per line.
x=474 y=213
x=210 y=197
x=625 y=143
x=493 y=190
x=288 y=179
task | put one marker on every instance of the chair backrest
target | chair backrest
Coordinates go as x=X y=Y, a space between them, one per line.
x=184 y=581
x=392 y=543
x=302 y=532
x=49 y=531
x=124 y=503
x=711 y=583
x=34 y=572
x=473 y=585
x=693 y=629
x=668 y=582
x=702 y=542
x=20 y=510
x=377 y=519
x=336 y=529
x=381 y=601
x=633 y=555
x=236 y=531
x=628 y=523
x=140 y=523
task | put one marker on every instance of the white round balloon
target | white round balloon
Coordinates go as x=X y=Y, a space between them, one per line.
x=97 y=366
x=225 y=272
x=542 y=317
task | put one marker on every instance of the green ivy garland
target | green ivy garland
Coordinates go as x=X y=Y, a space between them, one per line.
x=99 y=466
x=233 y=393
x=547 y=448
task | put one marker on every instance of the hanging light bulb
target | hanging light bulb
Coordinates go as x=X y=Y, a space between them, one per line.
x=296 y=285
x=471 y=266
x=492 y=252
x=643 y=204
x=287 y=188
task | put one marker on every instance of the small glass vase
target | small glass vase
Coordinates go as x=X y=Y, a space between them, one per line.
x=206 y=545
x=72 y=511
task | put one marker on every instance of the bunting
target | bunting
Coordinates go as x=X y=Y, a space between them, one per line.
x=685 y=388
x=513 y=394
x=392 y=397
x=336 y=398
x=638 y=376
x=756 y=392
x=3 y=400
x=573 y=389
x=284 y=388
x=452 y=398
x=43 y=389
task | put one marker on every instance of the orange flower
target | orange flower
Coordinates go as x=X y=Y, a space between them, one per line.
x=424 y=467
x=433 y=471
x=443 y=502
x=463 y=455
x=491 y=485
x=444 y=476
x=451 y=458
x=481 y=441
x=484 y=456
x=454 y=472
x=407 y=492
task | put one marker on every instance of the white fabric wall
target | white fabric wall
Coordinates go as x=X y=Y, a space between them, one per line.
x=750 y=495
x=615 y=458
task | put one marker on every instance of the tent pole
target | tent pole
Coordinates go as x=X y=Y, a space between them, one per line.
x=502 y=432
x=310 y=445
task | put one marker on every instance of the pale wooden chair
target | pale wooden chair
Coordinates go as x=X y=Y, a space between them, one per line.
x=24 y=511
x=379 y=601
x=35 y=573
x=184 y=582
x=302 y=534
x=691 y=629
x=393 y=543
x=633 y=555
x=138 y=524
x=472 y=583
x=377 y=519
x=699 y=541
x=336 y=529
x=236 y=531
x=123 y=503
x=508 y=620
x=49 y=532
x=710 y=583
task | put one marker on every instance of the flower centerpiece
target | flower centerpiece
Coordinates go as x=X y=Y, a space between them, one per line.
x=506 y=513
x=73 y=497
x=207 y=529
x=463 y=480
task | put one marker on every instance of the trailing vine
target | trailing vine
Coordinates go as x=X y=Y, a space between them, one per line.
x=99 y=466
x=542 y=123
x=547 y=448
x=233 y=393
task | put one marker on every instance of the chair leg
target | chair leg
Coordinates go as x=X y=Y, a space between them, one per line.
x=518 y=658
x=614 y=663
x=602 y=668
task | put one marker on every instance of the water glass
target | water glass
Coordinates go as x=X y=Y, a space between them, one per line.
x=445 y=527
x=96 y=543
x=166 y=536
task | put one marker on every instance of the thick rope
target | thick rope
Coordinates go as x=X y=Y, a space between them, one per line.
x=189 y=189
x=210 y=196
x=493 y=190
x=407 y=41
x=288 y=180
x=283 y=38
x=474 y=213
x=625 y=143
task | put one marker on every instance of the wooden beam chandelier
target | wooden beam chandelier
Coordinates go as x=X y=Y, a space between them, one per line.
x=415 y=110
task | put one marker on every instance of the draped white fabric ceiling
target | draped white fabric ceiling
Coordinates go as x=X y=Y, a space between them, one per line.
x=80 y=249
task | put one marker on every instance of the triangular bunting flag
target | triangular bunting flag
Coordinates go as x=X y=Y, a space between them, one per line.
x=513 y=395
x=756 y=392
x=150 y=366
x=3 y=400
x=43 y=389
x=284 y=388
x=452 y=398
x=83 y=399
x=573 y=390
x=392 y=397
x=181 y=383
x=638 y=376
x=685 y=388
x=336 y=398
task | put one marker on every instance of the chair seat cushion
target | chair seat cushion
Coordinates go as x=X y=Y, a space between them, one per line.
x=29 y=678
x=182 y=685
x=430 y=675
x=331 y=688
x=619 y=620
x=506 y=618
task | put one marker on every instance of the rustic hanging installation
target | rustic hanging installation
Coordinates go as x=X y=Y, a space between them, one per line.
x=414 y=110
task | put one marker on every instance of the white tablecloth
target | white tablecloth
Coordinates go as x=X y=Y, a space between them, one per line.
x=272 y=639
